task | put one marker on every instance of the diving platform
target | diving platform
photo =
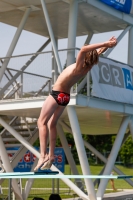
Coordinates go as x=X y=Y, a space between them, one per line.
x=90 y=111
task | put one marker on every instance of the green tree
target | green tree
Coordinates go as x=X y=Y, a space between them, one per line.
x=126 y=152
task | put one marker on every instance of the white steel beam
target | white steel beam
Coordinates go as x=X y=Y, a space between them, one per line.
x=89 y=73
x=81 y=85
x=29 y=183
x=89 y=37
x=68 y=153
x=67 y=149
x=19 y=138
x=8 y=168
x=105 y=8
x=24 y=67
x=72 y=28
x=14 y=41
x=51 y=35
x=113 y=155
x=81 y=150
x=106 y=54
x=54 y=66
x=10 y=123
x=105 y=160
x=37 y=154
x=97 y=153
x=130 y=47
x=22 y=150
x=131 y=126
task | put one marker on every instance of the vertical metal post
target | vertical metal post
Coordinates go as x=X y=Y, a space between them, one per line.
x=29 y=182
x=50 y=85
x=53 y=185
x=8 y=168
x=130 y=47
x=81 y=150
x=14 y=42
x=51 y=35
x=54 y=67
x=88 y=84
x=9 y=189
x=88 y=74
x=112 y=157
x=68 y=154
x=131 y=126
x=55 y=64
x=58 y=185
x=21 y=89
x=72 y=28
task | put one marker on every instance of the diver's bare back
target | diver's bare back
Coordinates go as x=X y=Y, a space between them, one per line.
x=68 y=78
x=73 y=73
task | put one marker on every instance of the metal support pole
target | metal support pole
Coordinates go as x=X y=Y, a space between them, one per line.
x=14 y=42
x=72 y=28
x=23 y=68
x=88 y=74
x=131 y=126
x=118 y=40
x=98 y=154
x=81 y=150
x=54 y=66
x=58 y=185
x=88 y=84
x=112 y=157
x=130 y=47
x=51 y=35
x=9 y=188
x=21 y=82
x=68 y=182
x=53 y=185
x=88 y=39
x=8 y=168
x=68 y=153
x=67 y=149
x=29 y=183
x=81 y=85
x=10 y=123
x=19 y=138
x=105 y=160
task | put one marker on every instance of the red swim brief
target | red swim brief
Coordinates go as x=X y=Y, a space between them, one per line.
x=61 y=98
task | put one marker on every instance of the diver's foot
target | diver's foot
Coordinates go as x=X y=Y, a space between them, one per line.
x=41 y=162
x=48 y=164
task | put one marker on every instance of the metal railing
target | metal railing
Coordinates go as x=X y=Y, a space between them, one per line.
x=30 y=75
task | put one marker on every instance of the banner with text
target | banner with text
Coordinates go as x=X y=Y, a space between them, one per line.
x=125 y=6
x=112 y=81
x=25 y=164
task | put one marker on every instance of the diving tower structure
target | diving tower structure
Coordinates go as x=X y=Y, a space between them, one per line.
x=105 y=109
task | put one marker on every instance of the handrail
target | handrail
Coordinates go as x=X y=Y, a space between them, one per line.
x=34 y=54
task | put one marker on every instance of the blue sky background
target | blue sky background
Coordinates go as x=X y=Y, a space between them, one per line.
x=30 y=42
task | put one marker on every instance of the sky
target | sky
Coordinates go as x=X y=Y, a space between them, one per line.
x=30 y=42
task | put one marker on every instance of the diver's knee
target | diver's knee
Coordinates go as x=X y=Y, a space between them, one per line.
x=41 y=122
